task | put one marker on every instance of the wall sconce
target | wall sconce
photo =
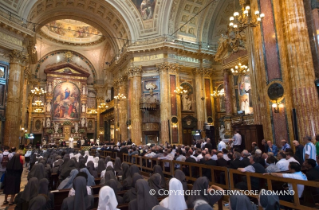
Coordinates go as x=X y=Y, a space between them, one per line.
x=129 y=127
x=276 y=106
x=174 y=125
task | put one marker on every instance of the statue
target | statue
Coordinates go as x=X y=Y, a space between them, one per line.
x=71 y=142
x=83 y=122
x=56 y=127
x=222 y=132
x=83 y=107
x=48 y=123
x=50 y=87
x=84 y=90
x=43 y=123
x=48 y=107
x=187 y=103
x=98 y=141
x=76 y=127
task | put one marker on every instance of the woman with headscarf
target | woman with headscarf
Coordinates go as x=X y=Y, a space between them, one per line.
x=101 y=166
x=179 y=174
x=238 y=202
x=143 y=201
x=175 y=201
x=117 y=166
x=90 y=181
x=155 y=183
x=44 y=190
x=37 y=171
x=82 y=163
x=88 y=188
x=202 y=205
x=38 y=203
x=114 y=185
x=131 y=193
x=109 y=167
x=158 y=169
x=107 y=199
x=67 y=183
x=66 y=169
x=75 y=161
x=268 y=201
x=108 y=176
x=81 y=200
x=96 y=162
x=125 y=169
x=90 y=167
x=12 y=178
x=31 y=190
x=201 y=186
x=33 y=159
x=128 y=181
x=107 y=159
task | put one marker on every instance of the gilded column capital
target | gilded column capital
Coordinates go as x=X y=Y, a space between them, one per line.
x=135 y=71
x=174 y=67
x=17 y=56
x=198 y=71
x=208 y=72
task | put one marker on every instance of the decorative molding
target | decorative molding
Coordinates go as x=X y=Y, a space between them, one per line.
x=17 y=56
x=135 y=71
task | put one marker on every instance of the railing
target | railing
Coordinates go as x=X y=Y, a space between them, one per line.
x=226 y=178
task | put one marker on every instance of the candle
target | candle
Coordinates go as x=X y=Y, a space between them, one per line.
x=141 y=139
x=157 y=138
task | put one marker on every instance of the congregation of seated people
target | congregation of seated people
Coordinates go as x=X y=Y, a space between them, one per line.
x=85 y=180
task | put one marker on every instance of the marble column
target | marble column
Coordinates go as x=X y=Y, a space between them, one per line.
x=200 y=110
x=24 y=97
x=123 y=109
x=116 y=113
x=300 y=67
x=164 y=105
x=228 y=104
x=136 y=115
x=12 y=123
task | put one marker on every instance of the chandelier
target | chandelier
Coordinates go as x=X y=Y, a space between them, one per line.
x=37 y=103
x=218 y=93
x=38 y=110
x=120 y=97
x=180 y=91
x=38 y=91
x=92 y=111
x=103 y=106
x=239 y=22
x=240 y=69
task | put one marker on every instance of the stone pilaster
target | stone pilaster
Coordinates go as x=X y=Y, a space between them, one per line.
x=136 y=116
x=122 y=88
x=228 y=104
x=99 y=99
x=199 y=89
x=12 y=123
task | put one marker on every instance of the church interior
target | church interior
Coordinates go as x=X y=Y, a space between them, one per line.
x=158 y=72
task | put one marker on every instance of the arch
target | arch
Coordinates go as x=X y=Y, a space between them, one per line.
x=45 y=57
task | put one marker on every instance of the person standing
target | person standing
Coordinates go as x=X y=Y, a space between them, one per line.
x=272 y=148
x=317 y=144
x=285 y=145
x=4 y=159
x=237 y=140
x=12 y=179
x=309 y=150
x=298 y=151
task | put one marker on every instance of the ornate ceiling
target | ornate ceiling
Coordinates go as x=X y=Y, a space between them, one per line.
x=71 y=32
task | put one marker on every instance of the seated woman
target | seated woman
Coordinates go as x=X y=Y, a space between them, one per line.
x=88 y=188
x=175 y=201
x=179 y=174
x=81 y=199
x=268 y=201
x=38 y=203
x=128 y=181
x=30 y=191
x=44 y=191
x=113 y=184
x=107 y=199
x=101 y=166
x=108 y=176
x=67 y=183
x=158 y=169
x=201 y=186
x=117 y=166
x=131 y=193
x=143 y=201
x=90 y=167
x=90 y=178
x=155 y=183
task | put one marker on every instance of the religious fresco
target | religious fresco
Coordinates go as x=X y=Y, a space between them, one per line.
x=146 y=8
x=66 y=102
x=244 y=94
x=71 y=31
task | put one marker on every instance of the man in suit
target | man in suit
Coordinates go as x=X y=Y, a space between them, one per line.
x=236 y=163
x=245 y=159
x=190 y=159
x=208 y=145
x=220 y=160
x=298 y=152
x=210 y=162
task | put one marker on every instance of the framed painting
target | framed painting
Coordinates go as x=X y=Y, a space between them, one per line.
x=66 y=102
x=145 y=8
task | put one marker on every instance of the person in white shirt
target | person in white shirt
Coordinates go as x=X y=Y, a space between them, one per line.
x=168 y=155
x=180 y=157
x=203 y=144
x=225 y=155
x=296 y=173
x=221 y=145
x=289 y=157
x=309 y=150
x=237 y=141
x=214 y=154
x=282 y=164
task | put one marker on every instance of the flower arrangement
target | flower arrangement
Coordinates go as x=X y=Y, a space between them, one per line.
x=49 y=131
x=82 y=131
x=67 y=123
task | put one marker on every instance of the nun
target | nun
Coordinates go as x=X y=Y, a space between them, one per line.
x=38 y=203
x=37 y=171
x=81 y=200
x=108 y=176
x=179 y=174
x=143 y=201
x=91 y=168
x=90 y=180
x=268 y=201
x=175 y=201
x=127 y=183
x=101 y=166
x=117 y=166
x=125 y=169
x=67 y=183
x=238 y=202
x=158 y=169
x=201 y=186
x=155 y=183
x=131 y=193
x=44 y=190
x=31 y=190
x=114 y=185
x=202 y=205
x=107 y=199
x=66 y=169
